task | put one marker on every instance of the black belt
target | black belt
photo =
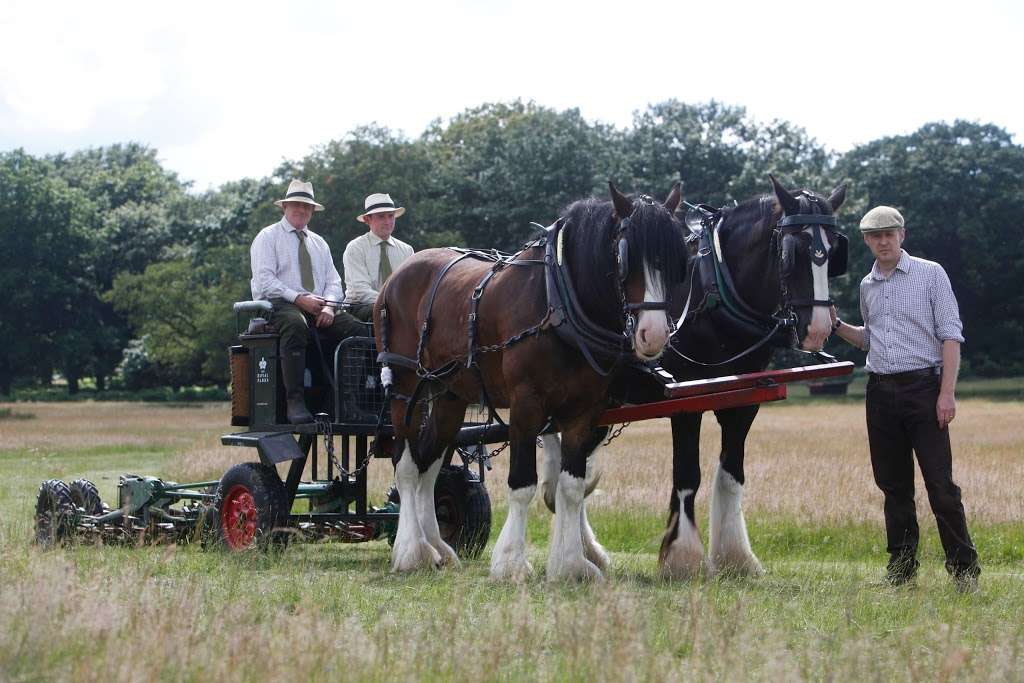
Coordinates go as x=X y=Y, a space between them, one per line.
x=907 y=376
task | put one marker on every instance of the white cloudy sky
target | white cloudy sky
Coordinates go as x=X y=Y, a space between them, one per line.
x=228 y=89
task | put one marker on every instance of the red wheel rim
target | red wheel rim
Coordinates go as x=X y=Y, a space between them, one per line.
x=238 y=518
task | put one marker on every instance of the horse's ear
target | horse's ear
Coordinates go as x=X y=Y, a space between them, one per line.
x=788 y=202
x=672 y=203
x=837 y=197
x=623 y=207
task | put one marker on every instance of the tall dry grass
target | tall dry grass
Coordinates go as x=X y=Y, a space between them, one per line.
x=809 y=461
x=299 y=621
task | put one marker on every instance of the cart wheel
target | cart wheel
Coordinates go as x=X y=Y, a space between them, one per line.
x=55 y=513
x=86 y=496
x=250 y=507
x=463 y=509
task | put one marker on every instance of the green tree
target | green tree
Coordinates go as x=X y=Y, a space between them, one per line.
x=498 y=167
x=181 y=311
x=45 y=223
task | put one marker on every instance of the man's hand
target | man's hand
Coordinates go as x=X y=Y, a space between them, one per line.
x=833 y=315
x=325 y=317
x=309 y=303
x=945 y=409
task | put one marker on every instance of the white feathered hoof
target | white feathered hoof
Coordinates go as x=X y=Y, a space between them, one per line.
x=448 y=556
x=730 y=551
x=510 y=567
x=414 y=555
x=682 y=558
x=574 y=569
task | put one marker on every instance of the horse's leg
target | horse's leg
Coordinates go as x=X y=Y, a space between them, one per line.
x=566 y=556
x=446 y=416
x=730 y=546
x=411 y=550
x=682 y=552
x=508 y=559
x=592 y=549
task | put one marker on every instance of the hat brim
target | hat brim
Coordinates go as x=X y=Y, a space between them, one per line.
x=891 y=227
x=300 y=200
x=398 y=211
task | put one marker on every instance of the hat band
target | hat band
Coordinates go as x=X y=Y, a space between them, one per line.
x=389 y=205
x=307 y=195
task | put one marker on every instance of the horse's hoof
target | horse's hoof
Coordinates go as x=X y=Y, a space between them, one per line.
x=410 y=557
x=449 y=558
x=580 y=569
x=745 y=566
x=681 y=562
x=512 y=572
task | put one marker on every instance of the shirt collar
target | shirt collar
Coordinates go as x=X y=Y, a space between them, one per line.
x=902 y=265
x=374 y=240
x=289 y=227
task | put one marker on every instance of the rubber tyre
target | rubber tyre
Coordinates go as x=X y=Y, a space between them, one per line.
x=463 y=509
x=250 y=508
x=55 y=513
x=86 y=496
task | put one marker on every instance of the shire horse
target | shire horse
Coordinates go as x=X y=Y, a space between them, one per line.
x=542 y=332
x=778 y=252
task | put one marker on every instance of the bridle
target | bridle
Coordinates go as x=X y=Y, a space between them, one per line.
x=723 y=300
x=630 y=312
x=828 y=246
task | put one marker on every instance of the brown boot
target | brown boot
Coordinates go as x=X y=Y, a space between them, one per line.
x=293 y=370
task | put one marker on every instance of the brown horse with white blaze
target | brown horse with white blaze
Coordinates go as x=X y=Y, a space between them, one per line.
x=542 y=333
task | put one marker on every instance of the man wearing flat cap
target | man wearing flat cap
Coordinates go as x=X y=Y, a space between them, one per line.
x=292 y=268
x=370 y=258
x=912 y=333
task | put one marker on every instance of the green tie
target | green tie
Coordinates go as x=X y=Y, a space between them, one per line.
x=385 y=264
x=305 y=263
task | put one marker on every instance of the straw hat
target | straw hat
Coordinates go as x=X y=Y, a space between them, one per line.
x=379 y=203
x=299 y=191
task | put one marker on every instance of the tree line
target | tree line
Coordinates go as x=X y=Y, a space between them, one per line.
x=117 y=272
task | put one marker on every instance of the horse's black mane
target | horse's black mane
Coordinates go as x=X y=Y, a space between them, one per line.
x=653 y=236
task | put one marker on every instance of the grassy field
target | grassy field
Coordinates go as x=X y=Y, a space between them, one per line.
x=331 y=612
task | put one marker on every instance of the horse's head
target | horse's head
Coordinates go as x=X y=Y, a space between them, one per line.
x=649 y=257
x=810 y=251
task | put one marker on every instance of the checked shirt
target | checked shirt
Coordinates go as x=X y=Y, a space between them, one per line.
x=908 y=315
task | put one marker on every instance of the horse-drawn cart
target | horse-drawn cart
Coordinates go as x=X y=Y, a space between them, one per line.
x=251 y=505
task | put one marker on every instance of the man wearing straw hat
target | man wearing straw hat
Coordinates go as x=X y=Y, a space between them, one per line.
x=292 y=268
x=370 y=258
x=912 y=333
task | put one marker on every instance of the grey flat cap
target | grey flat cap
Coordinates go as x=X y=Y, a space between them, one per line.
x=881 y=218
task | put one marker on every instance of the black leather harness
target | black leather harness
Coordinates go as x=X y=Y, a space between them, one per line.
x=604 y=349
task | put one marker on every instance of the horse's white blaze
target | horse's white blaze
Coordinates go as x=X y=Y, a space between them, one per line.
x=729 y=544
x=411 y=550
x=550 y=468
x=426 y=512
x=821 y=322
x=508 y=559
x=652 y=329
x=565 y=556
x=685 y=555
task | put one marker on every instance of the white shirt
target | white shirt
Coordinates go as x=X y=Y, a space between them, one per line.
x=362 y=265
x=274 y=256
x=907 y=315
